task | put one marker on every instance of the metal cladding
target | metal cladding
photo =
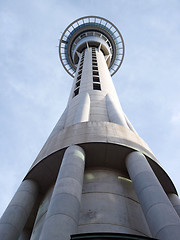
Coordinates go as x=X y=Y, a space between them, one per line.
x=95 y=177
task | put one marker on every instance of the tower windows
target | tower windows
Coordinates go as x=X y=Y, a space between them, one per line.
x=78 y=79
x=96 y=86
x=83 y=35
x=95 y=72
x=96 y=79
x=76 y=92
x=77 y=84
x=95 y=68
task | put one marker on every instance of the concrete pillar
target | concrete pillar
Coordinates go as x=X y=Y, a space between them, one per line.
x=161 y=217
x=175 y=202
x=129 y=124
x=16 y=214
x=83 y=109
x=63 y=213
x=115 y=111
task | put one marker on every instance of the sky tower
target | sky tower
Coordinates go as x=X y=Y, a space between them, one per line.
x=95 y=178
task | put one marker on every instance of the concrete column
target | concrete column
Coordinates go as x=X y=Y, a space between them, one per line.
x=83 y=109
x=129 y=124
x=115 y=111
x=175 y=202
x=63 y=213
x=15 y=216
x=161 y=217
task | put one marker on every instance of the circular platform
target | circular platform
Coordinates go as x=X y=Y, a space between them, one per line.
x=85 y=27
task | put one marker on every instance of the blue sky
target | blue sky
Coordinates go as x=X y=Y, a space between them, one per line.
x=34 y=87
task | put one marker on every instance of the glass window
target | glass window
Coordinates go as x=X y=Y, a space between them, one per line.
x=79 y=77
x=78 y=84
x=96 y=73
x=95 y=68
x=76 y=92
x=96 y=79
x=96 y=86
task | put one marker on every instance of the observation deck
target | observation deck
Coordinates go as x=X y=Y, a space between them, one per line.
x=91 y=31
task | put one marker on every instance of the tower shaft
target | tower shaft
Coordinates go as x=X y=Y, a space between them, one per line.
x=93 y=87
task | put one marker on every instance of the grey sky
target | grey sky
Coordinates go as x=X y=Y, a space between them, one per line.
x=34 y=87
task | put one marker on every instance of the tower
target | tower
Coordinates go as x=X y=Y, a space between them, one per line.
x=95 y=178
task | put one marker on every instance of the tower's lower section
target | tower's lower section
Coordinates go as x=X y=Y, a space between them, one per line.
x=109 y=204
x=94 y=190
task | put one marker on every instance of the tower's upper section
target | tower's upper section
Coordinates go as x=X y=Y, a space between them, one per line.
x=91 y=31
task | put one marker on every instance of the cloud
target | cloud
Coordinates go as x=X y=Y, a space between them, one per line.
x=175 y=119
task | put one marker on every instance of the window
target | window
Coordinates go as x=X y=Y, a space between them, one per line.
x=76 y=92
x=78 y=84
x=96 y=86
x=95 y=68
x=96 y=73
x=96 y=79
x=83 y=35
x=108 y=43
x=79 y=77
